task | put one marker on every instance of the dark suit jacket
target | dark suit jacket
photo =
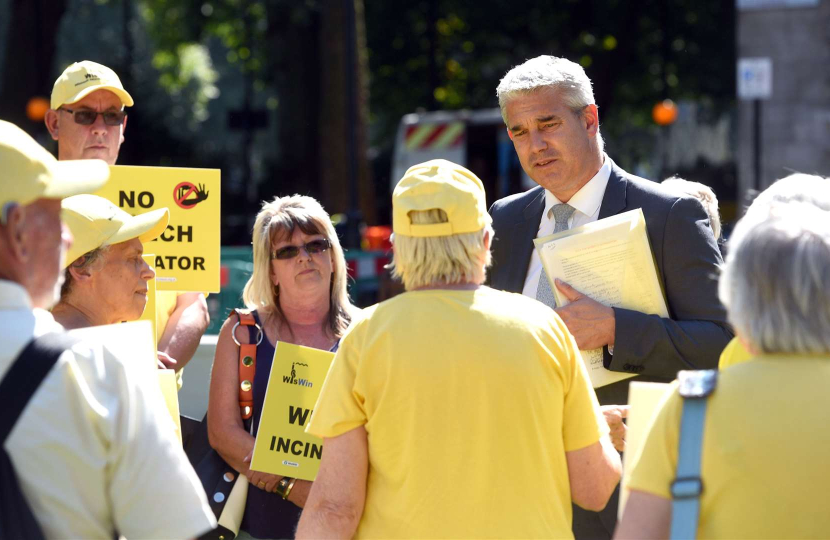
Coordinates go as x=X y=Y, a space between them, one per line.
x=687 y=259
x=656 y=349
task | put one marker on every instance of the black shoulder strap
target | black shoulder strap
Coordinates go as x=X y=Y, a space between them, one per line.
x=25 y=375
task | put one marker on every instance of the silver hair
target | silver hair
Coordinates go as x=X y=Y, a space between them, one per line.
x=87 y=260
x=776 y=279
x=549 y=72
x=701 y=192
x=797 y=187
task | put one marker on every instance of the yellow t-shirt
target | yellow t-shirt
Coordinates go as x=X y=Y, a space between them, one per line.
x=733 y=353
x=765 y=448
x=470 y=400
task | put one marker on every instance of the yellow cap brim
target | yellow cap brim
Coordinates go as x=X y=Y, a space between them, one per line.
x=146 y=227
x=122 y=94
x=76 y=177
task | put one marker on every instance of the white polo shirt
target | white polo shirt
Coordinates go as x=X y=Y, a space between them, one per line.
x=93 y=450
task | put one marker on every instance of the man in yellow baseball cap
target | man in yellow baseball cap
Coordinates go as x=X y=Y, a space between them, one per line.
x=31 y=238
x=87 y=117
x=106 y=277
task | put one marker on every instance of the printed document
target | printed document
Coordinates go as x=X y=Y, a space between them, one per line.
x=611 y=261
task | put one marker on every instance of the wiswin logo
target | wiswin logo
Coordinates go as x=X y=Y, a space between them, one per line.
x=292 y=379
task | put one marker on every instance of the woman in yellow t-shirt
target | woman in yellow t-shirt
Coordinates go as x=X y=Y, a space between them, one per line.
x=762 y=458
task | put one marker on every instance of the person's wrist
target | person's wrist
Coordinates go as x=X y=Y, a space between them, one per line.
x=284 y=486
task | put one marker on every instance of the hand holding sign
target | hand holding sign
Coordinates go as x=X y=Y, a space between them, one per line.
x=282 y=446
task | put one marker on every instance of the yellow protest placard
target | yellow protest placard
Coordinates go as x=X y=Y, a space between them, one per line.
x=170 y=391
x=282 y=446
x=150 y=308
x=187 y=253
x=644 y=398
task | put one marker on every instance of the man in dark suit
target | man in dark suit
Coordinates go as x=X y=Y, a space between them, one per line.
x=549 y=110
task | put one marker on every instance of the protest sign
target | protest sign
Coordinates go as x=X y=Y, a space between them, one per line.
x=170 y=391
x=644 y=399
x=150 y=308
x=187 y=252
x=282 y=446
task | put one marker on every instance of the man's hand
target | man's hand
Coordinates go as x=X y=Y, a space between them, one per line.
x=591 y=323
x=165 y=361
x=614 y=415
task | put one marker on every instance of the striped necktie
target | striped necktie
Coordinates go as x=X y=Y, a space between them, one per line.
x=561 y=215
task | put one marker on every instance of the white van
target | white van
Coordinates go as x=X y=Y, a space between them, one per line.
x=475 y=139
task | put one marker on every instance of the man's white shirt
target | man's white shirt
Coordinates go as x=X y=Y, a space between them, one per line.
x=586 y=201
x=93 y=449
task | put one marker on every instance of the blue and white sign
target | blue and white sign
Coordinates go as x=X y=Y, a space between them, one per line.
x=754 y=78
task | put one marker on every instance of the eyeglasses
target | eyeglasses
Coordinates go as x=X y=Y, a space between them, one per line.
x=312 y=248
x=87 y=117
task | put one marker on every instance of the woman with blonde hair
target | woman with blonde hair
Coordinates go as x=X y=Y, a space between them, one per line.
x=297 y=294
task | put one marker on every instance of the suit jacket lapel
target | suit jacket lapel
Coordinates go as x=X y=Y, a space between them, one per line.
x=522 y=239
x=613 y=202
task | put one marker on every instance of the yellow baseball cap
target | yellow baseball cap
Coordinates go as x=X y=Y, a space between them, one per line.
x=439 y=184
x=95 y=222
x=81 y=79
x=30 y=172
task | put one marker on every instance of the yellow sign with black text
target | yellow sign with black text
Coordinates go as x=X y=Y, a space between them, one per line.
x=187 y=253
x=149 y=313
x=282 y=446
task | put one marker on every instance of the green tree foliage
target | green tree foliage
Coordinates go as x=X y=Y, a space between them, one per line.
x=450 y=54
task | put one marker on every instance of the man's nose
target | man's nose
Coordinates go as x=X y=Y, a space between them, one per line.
x=537 y=142
x=98 y=126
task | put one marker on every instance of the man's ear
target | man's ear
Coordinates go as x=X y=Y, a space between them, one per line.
x=487 y=240
x=123 y=129
x=12 y=232
x=509 y=133
x=591 y=116
x=51 y=121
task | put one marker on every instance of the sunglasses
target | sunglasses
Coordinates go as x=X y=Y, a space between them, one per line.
x=87 y=117
x=312 y=248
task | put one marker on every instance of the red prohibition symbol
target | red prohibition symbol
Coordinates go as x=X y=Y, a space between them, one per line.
x=183 y=190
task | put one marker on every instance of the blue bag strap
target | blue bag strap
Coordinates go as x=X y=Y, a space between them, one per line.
x=695 y=387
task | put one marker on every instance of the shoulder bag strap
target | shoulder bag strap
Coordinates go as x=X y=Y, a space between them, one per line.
x=695 y=388
x=25 y=375
x=247 y=363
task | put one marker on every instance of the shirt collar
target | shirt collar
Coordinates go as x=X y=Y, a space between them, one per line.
x=589 y=197
x=14 y=296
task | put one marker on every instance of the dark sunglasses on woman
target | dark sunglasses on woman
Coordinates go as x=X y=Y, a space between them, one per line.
x=312 y=248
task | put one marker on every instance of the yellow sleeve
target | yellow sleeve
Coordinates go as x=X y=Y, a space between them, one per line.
x=582 y=421
x=339 y=407
x=733 y=353
x=654 y=469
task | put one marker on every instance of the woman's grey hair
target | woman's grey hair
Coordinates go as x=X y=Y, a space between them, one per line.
x=701 y=192
x=797 y=187
x=277 y=220
x=87 y=260
x=776 y=280
x=549 y=72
